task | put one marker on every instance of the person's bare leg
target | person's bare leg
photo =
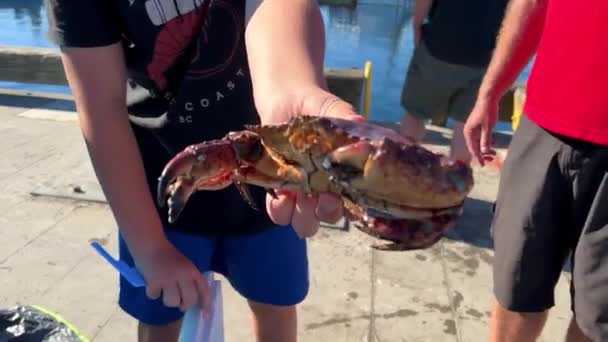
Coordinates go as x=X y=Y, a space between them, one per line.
x=158 y=333
x=274 y=323
x=413 y=127
x=458 y=148
x=575 y=334
x=508 y=326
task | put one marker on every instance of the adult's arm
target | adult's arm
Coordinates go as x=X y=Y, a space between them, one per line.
x=517 y=42
x=97 y=78
x=421 y=11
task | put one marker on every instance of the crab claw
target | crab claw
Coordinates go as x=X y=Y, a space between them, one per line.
x=207 y=166
x=402 y=234
x=386 y=168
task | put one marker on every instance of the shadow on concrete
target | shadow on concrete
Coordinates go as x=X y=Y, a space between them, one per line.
x=474 y=224
x=31 y=102
x=474 y=227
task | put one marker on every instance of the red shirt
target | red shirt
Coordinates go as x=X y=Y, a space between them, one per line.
x=567 y=91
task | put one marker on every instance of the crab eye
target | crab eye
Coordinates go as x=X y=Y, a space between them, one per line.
x=201 y=157
x=327 y=164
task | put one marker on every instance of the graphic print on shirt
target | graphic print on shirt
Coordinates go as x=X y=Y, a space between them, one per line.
x=182 y=20
x=218 y=69
x=224 y=39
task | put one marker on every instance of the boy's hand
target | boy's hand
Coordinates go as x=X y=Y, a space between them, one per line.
x=304 y=213
x=168 y=273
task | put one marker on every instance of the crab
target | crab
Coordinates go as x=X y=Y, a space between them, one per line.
x=393 y=189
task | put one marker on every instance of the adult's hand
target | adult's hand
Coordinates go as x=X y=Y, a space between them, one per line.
x=478 y=130
x=304 y=212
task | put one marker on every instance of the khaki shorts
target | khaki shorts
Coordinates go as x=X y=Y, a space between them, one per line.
x=553 y=203
x=434 y=88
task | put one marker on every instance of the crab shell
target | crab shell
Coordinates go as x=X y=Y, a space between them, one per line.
x=396 y=190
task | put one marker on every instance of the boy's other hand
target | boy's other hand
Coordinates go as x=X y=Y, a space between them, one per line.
x=168 y=273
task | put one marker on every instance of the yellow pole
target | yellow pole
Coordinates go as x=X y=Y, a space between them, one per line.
x=519 y=98
x=367 y=95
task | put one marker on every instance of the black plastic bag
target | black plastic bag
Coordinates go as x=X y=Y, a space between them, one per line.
x=35 y=324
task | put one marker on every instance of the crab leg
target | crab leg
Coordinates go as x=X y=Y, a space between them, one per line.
x=402 y=234
x=400 y=174
x=238 y=159
x=260 y=166
x=268 y=172
x=406 y=235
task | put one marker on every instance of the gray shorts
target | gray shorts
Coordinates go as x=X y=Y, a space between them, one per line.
x=435 y=88
x=553 y=203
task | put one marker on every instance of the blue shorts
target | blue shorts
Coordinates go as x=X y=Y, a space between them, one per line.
x=269 y=267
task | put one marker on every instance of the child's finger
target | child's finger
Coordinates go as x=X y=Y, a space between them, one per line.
x=329 y=208
x=304 y=220
x=281 y=209
x=204 y=295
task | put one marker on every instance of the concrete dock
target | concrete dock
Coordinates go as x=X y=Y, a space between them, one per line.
x=51 y=205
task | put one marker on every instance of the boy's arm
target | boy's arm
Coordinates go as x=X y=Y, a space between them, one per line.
x=93 y=60
x=517 y=42
x=97 y=79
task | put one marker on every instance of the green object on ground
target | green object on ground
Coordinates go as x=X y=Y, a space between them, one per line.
x=36 y=324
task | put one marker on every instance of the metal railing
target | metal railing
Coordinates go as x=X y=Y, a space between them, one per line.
x=34 y=65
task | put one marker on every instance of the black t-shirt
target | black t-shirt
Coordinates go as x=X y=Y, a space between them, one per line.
x=188 y=82
x=464 y=32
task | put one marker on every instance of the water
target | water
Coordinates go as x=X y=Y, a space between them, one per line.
x=24 y=23
x=376 y=31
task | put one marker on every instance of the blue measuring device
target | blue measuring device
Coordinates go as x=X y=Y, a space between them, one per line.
x=128 y=272
x=194 y=326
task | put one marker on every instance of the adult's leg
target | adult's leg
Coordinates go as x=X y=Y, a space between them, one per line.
x=157 y=322
x=458 y=146
x=530 y=231
x=425 y=93
x=575 y=334
x=590 y=260
x=507 y=325
x=413 y=126
x=460 y=105
x=270 y=269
